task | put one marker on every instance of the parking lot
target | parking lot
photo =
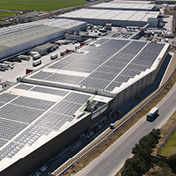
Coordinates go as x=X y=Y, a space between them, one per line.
x=19 y=69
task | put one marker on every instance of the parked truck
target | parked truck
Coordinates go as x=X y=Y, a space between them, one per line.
x=152 y=114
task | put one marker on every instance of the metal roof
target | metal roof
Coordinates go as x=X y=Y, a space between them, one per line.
x=124 y=6
x=121 y=15
x=34 y=33
x=23 y=36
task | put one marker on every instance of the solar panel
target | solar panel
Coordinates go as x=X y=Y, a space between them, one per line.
x=65 y=61
x=1 y=104
x=8 y=129
x=2 y=142
x=102 y=75
x=41 y=75
x=19 y=113
x=113 y=85
x=101 y=41
x=116 y=64
x=66 y=108
x=81 y=67
x=77 y=98
x=130 y=73
x=129 y=52
x=10 y=150
x=49 y=122
x=5 y=97
x=28 y=137
x=53 y=121
x=23 y=86
x=137 y=67
x=49 y=91
x=70 y=79
x=94 y=83
x=148 y=54
x=33 y=103
x=122 y=78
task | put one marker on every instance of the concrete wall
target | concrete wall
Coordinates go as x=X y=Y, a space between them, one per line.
x=137 y=88
x=153 y=22
x=113 y=22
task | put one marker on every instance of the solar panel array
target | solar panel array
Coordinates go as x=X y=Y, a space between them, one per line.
x=65 y=61
x=108 y=65
x=70 y=79
x=89 y=62
x=10 y=150
x=109 y=62
x=109 y=70
x=17 y=113
x=49 y=91
x=56 y=77
x=24 y=86
x=41 y=90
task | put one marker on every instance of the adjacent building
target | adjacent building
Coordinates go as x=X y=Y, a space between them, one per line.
x=115 y=17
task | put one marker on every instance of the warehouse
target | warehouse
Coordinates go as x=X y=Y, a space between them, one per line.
x=47 y=110
x=125 y=6
x=115 y=17
x=21 y=37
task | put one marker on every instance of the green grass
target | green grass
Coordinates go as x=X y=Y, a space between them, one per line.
x=7 y=13
x=43 y=5
x=170 y=147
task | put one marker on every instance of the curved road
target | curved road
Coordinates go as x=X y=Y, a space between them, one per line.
x=111 y=161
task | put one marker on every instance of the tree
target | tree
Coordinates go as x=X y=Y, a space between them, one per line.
x=128 y=171
x=172 y=162
x=141 y=161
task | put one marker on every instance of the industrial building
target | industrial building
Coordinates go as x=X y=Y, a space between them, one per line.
x=115 y=17
x=21 y=37
x=125 y=6
x=47 y=111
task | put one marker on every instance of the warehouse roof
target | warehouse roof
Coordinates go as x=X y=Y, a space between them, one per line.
x=26 y=109
x=22 y=33
x=59 y=92
x=124 y=6
x=104 y=67
x=61 y=23
x=110 y=15
x=34 y=33
x=29 y=34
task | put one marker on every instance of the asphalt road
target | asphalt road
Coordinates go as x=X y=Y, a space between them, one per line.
x=110 y=161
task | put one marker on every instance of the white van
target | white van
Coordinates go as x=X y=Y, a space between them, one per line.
x=37 y=56
x=54 y=56
x=37 y=62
